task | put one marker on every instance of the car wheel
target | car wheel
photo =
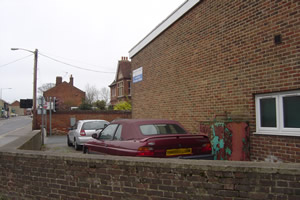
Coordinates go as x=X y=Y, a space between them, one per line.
x=69 y=142
x=76 y=146
x=86 y=150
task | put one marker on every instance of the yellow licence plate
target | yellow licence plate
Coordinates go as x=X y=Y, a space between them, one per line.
x=176 y=152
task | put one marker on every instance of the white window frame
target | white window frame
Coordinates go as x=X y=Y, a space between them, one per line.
x=280 y=129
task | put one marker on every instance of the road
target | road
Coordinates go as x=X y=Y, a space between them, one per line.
x=13 y=123
x=13 y=128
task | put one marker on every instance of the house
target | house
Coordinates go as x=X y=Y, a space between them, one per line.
x=120 y=89
x=15 y=109
x=213 y=57
x=66 y=94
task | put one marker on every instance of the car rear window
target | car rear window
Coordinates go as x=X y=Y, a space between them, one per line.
x=93 y=125
x=160 y=129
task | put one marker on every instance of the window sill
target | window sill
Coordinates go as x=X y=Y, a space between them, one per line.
x=272 y=133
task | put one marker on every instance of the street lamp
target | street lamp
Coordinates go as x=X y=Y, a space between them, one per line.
x=35 y=52
x=3 y=89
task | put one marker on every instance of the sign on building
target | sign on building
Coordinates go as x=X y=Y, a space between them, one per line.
x=137 y=75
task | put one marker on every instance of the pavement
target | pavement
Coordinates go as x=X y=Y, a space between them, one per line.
x=58 y=144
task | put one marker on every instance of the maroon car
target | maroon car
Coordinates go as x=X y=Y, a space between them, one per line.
x=149 y=138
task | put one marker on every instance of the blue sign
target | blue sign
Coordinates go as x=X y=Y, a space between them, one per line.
x=137 y=75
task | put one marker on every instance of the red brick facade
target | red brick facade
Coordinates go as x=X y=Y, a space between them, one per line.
x=120 y=89
x=66 y=93
x=215 y=59
x=61 y=120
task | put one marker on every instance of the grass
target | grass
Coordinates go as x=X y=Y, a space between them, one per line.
x=2 y=197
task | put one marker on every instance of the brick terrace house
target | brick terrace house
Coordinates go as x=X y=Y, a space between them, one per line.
x=66 y=93
x=214 y=56
x=120 y=89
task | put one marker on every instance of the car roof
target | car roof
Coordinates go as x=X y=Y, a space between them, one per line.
x=92 y=120
x=131 y=126
x=144 y=121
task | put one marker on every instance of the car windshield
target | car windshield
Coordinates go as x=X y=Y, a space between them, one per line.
x=94 y=125
x=159 y=129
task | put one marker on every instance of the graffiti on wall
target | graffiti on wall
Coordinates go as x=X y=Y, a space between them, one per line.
x=229 y=140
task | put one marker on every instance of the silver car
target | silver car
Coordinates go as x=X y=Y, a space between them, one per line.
x=83 y=130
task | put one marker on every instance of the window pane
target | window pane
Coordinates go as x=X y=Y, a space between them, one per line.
x=157 y=129
x=291 y=110
x=118 y=133
x=108 y=132
x=268 y=112
x=94 y=125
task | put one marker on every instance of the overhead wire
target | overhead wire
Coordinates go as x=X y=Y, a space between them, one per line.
x=15 y=61
x=74 y=66
x=71 y=60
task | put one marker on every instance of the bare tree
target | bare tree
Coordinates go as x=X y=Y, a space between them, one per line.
x=91 y=93
x=104 y=94
x=44 y=88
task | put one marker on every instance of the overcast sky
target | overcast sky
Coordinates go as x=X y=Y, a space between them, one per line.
x=89 y=34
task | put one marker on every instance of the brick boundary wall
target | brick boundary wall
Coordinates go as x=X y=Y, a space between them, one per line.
x=61 y=119
x=37 y=175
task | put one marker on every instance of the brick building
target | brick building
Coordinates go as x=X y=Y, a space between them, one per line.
x=120 y=89
x=15 y=108
x=214 y=56
x=66 y=94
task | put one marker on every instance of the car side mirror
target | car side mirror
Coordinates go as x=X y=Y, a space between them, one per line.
x=95 y=136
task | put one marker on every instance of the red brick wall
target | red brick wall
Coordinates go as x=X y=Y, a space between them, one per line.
x=16 y=103
x=215 y=59
x=126 y=96
x=67 y=94
x=61 y=120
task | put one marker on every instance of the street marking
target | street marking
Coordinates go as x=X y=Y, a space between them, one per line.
x=5 y=134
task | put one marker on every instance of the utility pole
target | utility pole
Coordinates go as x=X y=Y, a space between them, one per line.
x=34 y=124
x=35 y=52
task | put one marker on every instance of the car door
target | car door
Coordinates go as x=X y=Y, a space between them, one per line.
x=106 y=135
x=114 y=146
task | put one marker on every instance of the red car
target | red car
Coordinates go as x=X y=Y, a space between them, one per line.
x=149 y=138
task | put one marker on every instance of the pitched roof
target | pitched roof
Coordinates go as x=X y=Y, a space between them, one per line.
x=123 y=69
x=63 y=85
x=178 y=13
x=15 y=103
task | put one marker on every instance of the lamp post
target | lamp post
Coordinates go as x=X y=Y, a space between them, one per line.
x=35 y=52
x=3 y=89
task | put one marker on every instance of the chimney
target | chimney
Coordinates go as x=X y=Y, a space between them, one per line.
x=58 y=80
x=124 y=58
x=71 y=80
